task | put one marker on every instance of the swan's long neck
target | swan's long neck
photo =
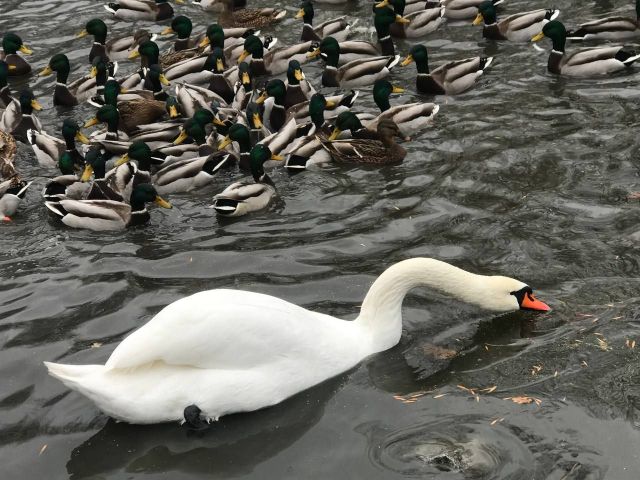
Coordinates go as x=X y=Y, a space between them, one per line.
x=381 y=311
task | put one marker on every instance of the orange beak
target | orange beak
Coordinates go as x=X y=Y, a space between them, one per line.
x=529 y=302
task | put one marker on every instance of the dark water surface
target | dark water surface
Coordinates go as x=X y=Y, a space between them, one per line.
x=525 y=176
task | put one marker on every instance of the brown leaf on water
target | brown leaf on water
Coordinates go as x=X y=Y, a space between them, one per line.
x=630 y=344
x=602 y=344
x=489 y=390
x=584 y=364
x=440 y=395
x=438 y=353
x=523 y=400
x=466 y=389
x=44 y=447
x=536 y=369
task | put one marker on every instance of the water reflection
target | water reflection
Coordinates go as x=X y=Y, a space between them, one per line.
x=232 y=447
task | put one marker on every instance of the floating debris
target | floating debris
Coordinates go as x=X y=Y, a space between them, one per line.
x=536 y=369
x=523 y=400
x=44 y=447
x=497 y=420
x=96 y=345
x=584 y=364
x=440 y=395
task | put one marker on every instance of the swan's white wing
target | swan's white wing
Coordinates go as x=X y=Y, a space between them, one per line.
x=233 y=330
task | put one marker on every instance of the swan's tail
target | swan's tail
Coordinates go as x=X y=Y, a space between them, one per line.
x=73 y=376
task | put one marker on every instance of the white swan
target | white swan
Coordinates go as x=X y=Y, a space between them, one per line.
x=228 y=351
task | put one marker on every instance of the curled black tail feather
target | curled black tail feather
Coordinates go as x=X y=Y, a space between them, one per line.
x=626 y=56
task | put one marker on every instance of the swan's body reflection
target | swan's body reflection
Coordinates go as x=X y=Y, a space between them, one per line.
x=232 y=447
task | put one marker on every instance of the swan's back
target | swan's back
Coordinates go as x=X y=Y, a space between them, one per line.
x=237 y=330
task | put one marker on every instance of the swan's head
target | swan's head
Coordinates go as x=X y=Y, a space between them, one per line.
x=508 y=294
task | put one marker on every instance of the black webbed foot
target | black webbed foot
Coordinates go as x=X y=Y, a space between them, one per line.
x=193 y=419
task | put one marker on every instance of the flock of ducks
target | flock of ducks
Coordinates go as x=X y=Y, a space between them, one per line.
x=230 y=98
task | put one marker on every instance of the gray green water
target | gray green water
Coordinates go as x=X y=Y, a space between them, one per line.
x=524 y=176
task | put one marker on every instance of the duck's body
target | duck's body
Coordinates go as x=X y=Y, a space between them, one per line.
x=248 y=17
x=414 y=24
x=451 y=78
x=11 y=45
x=337 y=28
x=519 y=27
x=12 y=192
x=134 y=10
x=229 y=351
x=273 y=62
x=463 y=9
x=19 y=116
x=586 y=62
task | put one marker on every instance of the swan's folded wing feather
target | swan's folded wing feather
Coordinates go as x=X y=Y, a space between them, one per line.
x=229 y=329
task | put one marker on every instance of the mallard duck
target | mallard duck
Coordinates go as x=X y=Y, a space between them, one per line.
x=410 y=118
x=240 y=134
x=353 y=74
x=350 y=122
x=231 y=40
x=243 y=89
x=516 y=28
x=48 y=149
x=106 y=114
x=335 y=105
x=383 y=18
x=275 y=61
x=463 y=9
x=131 y=10
x=135 y=112
x=219 y=84
x=182 y=27
x=308 y=150
x=18 y=117
x=192 y=173
x=76 y=92
x=586 y=62
x=337 y=28
x=609 y=28
x=273 y=98
x=11 y=45
x=5 y=92
x=298 y=87
x=411 y=25
x=451 y=78
x=183 y=360
x=248 y=17
x=103 y=215
x=241 y=198
x=115 y=49
x=379 y=152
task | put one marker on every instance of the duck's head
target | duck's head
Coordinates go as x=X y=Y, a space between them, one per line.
x=386 y=13
x=59 y=63
x=556 y=31
x=306 y=13
x=254 y=115
x=181 y=26
x=259 y=154
x=244 y=74
x=329 y=49
x=214 y=37
x=148 y=50
x=237 y=133
x=140 y=152
x=191 y=129
x=215 y=61
x=486 y=13
x=381 y=91
x=12 y=44
x=252 y=46
x=106 y=114
x=95 y=163
x=345 y=121
x=275 y=88
x=66 y=163
x=317 y=105
x=144 y=193
x=203 y=116
x=100 y=70
x=28 y=102
x=418 y=54
x=111 y=91
x=97 y=28
x=173 y=107
x=71 y=132
x=294 y=72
